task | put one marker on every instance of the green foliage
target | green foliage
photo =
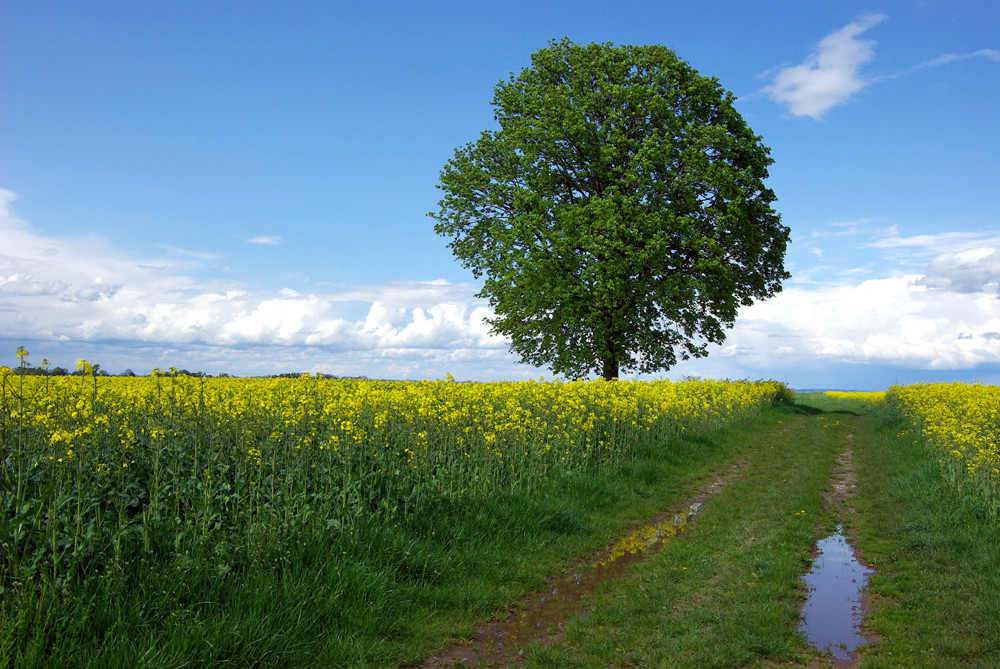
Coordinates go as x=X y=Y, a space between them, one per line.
x=619 y=214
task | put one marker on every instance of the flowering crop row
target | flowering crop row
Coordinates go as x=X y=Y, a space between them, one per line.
x=96 y=467
x=963 y=422
x=873 y=398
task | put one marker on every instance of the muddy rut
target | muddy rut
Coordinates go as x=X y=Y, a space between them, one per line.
x=541 y=615
x=837 y=604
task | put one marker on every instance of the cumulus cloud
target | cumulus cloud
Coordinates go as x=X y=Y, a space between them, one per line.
x=968 y=271
x=84 y=290
x=830 y=75
x=941 y=319
x=933 y=308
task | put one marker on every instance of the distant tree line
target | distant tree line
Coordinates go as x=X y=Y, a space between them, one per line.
x=62 y=371
x=54 y=371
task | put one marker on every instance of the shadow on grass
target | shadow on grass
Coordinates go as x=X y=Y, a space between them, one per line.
x=815 y=411
x=816 y=404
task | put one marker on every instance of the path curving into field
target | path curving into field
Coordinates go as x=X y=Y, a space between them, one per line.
x=728 y=591
x=723 y=591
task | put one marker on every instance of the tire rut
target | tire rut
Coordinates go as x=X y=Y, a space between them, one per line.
x=542 y=616
x=838 y=500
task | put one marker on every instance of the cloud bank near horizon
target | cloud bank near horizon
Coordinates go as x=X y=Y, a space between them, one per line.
x=82 y=292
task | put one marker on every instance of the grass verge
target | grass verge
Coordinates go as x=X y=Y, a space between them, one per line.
x=937 y=555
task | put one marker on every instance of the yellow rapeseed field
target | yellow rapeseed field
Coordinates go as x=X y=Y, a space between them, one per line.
x=962 y=421
x=873 y=398
x=90 y=457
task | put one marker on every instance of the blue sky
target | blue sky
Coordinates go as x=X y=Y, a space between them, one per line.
x=243 y=187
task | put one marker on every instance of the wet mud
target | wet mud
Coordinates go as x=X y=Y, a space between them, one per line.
x=502 y=642
x=542 y=615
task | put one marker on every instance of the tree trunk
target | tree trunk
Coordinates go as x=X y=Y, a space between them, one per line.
x=610 y=364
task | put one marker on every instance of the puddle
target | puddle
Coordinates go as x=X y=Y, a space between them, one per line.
x=640 y=541
x=831 y=617
x=501 y=643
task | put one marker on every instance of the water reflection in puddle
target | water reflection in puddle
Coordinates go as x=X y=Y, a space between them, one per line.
x=831 y=617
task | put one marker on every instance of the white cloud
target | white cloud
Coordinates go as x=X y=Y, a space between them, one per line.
x=969 y=271
x=829 y=76
x=989 y=54
x=265 y=240
x=938 y=320
x=933 y=242
x=831 y=73
x=193 y=255
x=59 y=289
x=852 y=225
x=914 y=251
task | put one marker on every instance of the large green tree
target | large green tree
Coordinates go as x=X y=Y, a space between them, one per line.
x=619 y=213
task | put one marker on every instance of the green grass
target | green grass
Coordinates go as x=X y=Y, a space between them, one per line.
x=937 y=553
x=725 y=593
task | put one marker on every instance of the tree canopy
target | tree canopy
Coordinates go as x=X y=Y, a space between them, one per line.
x=618 y=215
